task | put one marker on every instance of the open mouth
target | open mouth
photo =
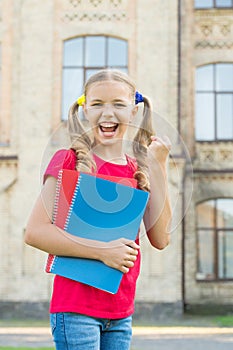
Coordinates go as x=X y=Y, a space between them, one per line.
x=107 y=128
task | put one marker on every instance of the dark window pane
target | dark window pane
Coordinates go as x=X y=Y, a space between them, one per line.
x=225 y=254
x=215 y=245
x=72 y=88
x=225 y=116
x=117 y=52
x=224 y=3
x=224 y=77
x=95 y=55
x=205 y=214
x=205 y=78
x=205 y=116
x=203 y=3
x=225 y=213
x=205 y=254
x=73 y=52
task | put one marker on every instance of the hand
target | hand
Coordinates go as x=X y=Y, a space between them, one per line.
x=120 y=254
x=158 y=150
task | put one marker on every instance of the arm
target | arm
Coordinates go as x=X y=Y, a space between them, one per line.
x=42 y=234
x=158 y=214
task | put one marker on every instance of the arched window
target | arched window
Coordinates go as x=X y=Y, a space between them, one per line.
x=204 y=4
x=214 y=102
x=215 y=239
x=84 y=56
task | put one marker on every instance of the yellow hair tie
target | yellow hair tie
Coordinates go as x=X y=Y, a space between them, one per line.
x=81 y=100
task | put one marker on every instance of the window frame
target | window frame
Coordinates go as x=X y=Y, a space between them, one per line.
x=86 y=68
x=214 y=6
x=215 y=93
x=216 y=230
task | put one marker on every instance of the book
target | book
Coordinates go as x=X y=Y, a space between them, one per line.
x=66 y=182
x=99 y=207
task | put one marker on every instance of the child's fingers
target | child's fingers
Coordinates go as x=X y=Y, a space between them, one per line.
x=129 y=243
x=164 y=140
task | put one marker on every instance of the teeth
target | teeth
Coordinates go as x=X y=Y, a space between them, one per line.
x=108 y=125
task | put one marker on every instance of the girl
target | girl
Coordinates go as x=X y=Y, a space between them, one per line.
x=82 y=317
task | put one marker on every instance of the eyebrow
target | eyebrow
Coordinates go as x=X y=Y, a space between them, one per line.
x=96 y=100
x=114 y=100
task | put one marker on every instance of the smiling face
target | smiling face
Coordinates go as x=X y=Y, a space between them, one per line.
x=109 y=108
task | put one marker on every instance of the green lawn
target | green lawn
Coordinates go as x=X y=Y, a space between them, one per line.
x=224 y=321
x=195 y=320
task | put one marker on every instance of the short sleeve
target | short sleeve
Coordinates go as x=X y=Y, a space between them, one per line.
x=62 y=159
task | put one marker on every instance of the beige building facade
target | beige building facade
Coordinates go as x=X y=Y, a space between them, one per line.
x=166 y=42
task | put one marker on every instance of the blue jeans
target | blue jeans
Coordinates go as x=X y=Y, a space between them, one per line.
x=73 y=331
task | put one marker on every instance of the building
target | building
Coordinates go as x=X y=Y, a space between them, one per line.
x=179 y=52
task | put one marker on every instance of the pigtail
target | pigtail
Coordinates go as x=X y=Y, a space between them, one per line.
x=140 y=144
x=80 y=141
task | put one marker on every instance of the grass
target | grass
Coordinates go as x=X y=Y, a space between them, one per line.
x=193 y=320
x=185 y=320
x=224 y=321
x=24 y=323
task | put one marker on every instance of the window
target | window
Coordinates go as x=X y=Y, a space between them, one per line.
x=214 y=102
x=205 y=4
x=215 y=239
x=84 y=56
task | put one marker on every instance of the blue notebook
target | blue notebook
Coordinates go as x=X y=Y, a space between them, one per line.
x=100 y=210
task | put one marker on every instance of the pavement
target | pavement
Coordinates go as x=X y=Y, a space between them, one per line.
x=144 y=338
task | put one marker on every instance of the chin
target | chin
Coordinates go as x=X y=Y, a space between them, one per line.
x=108 y=142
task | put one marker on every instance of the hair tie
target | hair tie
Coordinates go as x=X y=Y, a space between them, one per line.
x=81 y=100
x=138 y=98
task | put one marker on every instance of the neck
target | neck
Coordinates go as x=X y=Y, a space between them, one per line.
x=110 y=154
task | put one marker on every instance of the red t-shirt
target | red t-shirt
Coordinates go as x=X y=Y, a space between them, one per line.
x=72 y=296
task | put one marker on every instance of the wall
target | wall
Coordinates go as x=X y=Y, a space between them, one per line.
x=31 y=40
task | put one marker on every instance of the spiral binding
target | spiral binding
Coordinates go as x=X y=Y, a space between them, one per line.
x=52 y=258
x=58 y=188
x=50 y=263
x=72 y=202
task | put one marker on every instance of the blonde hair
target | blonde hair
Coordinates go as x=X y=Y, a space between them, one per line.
x=81 y=140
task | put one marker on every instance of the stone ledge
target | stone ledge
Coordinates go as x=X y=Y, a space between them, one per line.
x=144 y=312
x=153 y=312
x=208 y=309
x=24 y=310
